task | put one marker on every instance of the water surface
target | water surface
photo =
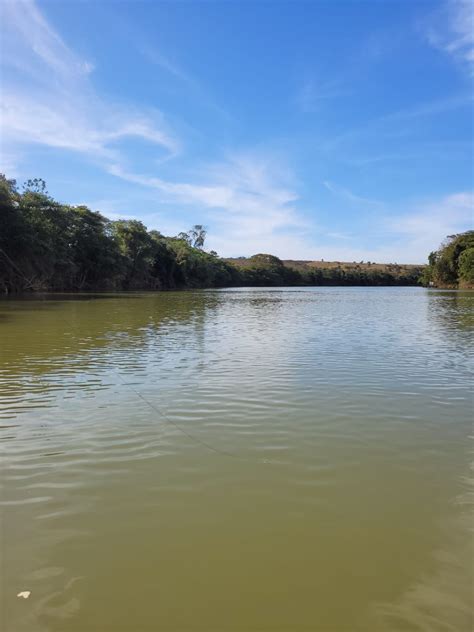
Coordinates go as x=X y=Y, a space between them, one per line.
x=237 y=460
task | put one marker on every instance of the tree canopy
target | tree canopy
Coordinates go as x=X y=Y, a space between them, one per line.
x=48 y=245
x=452 y=265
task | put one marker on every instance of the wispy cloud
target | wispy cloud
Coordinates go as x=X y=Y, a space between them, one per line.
x=399 y=122
x=349 y=195
x=403 y=236
x=312 y=94
x=55 y=105
x=25 y=24
x=242 y=196
x=152 y=55
x=337 y=235
x=429 y=223
x=249 y=200
x=431 y=108
x=155 y=57
x=451 y=29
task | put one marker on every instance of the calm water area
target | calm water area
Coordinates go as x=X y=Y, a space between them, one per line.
x=244 y=460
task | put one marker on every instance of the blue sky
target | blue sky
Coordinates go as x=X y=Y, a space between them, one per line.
x=335 y=130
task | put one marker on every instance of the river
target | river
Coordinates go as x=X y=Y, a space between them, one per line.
x=270 y=459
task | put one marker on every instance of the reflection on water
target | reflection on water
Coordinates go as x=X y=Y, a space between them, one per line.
x=265 y=459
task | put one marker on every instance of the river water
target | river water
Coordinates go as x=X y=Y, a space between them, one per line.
x=243 y=460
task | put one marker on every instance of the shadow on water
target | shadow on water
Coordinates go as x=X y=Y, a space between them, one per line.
x=48 y=339
x=452 y=312
x=70 y=342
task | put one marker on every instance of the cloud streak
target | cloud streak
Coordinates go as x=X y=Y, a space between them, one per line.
x=311 y=94
x=410 y=235
x=346 y=194
x=153 y=56
x=398 y=122
x=58 y=107
x=250 y=199
x=451 y=30
x=244 y=197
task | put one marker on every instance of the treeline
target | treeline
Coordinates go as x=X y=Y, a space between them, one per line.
x=452 y=265
x=262 y=269
x=47 y=245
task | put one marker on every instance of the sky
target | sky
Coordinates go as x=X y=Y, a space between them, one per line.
x=336 y=130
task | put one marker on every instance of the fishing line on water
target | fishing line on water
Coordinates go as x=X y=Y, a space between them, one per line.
x=186 y=433
x=173 y=423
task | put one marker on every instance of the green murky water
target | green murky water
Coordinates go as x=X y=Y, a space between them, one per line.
x=245 y=460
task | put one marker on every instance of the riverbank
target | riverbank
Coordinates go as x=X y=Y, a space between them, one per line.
x=46 y=245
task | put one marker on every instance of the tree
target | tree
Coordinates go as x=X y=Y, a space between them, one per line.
x=48 y=260
x=184 y=237
x=12 y=237
x=95 y=252
x=47 y=245
x=35 y=185
x=137 y=249
x=466 y=266
x=448 y=265
x=197 y=235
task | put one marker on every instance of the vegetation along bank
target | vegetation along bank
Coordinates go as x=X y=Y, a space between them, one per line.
x=46 y=245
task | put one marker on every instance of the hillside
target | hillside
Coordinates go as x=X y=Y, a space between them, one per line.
x=338 y=272
x=344 y=265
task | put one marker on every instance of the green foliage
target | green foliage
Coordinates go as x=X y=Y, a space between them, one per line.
x=46 y=245
x=452 y=263
x=137 y=250
x=268 y=270
x=264 y=269
x=198 y=236
x=94 y=251
x=466 y=265
x=196 y=268
x=35 y=185
x=194 y=237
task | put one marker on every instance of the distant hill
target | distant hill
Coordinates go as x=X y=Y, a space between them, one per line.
x=352 y=266
x=268 y=269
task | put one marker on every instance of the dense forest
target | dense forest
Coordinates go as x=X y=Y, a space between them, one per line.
x=49 y=246
x=452 y=265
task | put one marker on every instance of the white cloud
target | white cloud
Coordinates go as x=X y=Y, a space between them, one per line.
x=395 y=123
x=49 y=99
x=24 y=23
x=338 y=235
x=312 y=94
x=451 y=29
x=251 y=210
x=243 y=196
x=402 y=237
x=248 y=199
x=192 y=85
x=349 y=195
x=9 y=162
x=409 y=237
x=425 y=227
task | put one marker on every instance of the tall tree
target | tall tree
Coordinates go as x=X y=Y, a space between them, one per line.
x=197 y=236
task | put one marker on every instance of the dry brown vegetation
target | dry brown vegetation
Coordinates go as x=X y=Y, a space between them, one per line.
x=365 y=266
